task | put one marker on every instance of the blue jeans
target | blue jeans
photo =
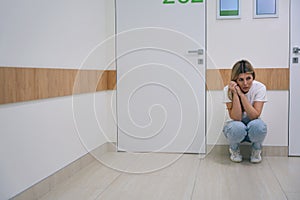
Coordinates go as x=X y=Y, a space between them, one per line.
x=253 y=131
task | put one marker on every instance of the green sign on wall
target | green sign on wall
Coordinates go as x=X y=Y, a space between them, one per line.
x=181 y=1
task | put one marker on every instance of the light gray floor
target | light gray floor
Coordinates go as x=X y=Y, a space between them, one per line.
x=172 y=176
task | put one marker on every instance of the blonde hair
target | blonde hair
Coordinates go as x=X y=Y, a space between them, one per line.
x=240 y=67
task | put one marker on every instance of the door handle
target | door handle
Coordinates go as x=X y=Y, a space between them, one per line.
x=296 y=50
x=198 y=51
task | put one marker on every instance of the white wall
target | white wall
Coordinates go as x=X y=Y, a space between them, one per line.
x=55 y=33
x=40 y=137
x=265 y=43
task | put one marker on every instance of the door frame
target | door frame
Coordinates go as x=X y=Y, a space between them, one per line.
x=291 y=139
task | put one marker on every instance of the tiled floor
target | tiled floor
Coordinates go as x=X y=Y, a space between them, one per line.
x=171 y=176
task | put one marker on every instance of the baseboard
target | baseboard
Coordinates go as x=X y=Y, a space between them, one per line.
x=245 y=149
x=46 y=185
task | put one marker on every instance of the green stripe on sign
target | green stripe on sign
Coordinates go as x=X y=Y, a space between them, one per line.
x=229 y=12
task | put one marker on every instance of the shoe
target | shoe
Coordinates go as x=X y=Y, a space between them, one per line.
x=235 y=156
x=255 y=156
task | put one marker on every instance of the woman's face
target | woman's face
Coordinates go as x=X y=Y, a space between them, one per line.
x=245 y=82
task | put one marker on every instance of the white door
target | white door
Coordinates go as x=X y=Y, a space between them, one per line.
x=294 y=136
x=161 y=75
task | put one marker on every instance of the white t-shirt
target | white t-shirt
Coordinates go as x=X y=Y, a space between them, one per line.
x=257 y=92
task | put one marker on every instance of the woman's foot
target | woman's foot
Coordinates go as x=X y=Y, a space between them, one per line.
x=255 y=156
x=235 y=155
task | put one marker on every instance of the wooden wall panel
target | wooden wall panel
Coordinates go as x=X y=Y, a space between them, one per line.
x=24 y=84
x=111 y=79
x=273 y=78
x=87 y=81
x=7 y=82
x=216 y=79
x=102 y=81
x=43 y=80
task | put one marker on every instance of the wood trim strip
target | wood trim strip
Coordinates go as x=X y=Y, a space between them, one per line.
x=273 y=78
x=111 y=79
x=25 y=84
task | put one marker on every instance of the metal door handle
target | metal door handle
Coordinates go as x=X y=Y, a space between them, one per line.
x=296 y=50
x=198 y=51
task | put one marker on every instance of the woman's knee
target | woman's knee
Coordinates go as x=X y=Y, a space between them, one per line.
x=235 y=129
x=257 y=127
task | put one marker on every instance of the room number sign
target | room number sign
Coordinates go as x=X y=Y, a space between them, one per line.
x=181 y=1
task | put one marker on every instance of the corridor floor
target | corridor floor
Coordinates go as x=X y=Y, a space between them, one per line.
x=125 y=176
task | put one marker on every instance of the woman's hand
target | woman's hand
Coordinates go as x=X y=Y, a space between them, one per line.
x=232 y=86
x=234 y=107
x=238 y=90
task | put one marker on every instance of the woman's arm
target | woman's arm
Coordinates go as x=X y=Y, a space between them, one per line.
x=254 y=111
x=234 y=107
